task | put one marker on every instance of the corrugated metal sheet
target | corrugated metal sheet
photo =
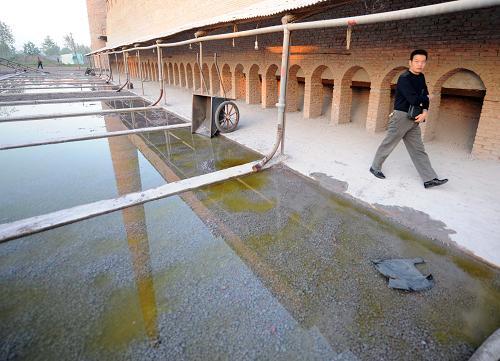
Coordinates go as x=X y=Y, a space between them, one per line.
x=257 y=10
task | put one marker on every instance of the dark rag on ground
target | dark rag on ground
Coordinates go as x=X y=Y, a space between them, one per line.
x=403 y=274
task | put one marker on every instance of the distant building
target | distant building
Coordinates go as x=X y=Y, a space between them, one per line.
x=72 y=58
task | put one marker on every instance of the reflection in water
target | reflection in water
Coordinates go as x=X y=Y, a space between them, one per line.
x=316 y=247
x=128 y=180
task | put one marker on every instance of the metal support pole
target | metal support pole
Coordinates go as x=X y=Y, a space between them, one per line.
x=110 y=70
x=125 y=62
x=140 y=70
x=285 y=55
x=160 y=73
x=117 y=69
x=200 y=65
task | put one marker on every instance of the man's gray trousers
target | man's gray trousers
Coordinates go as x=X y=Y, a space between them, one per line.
x=400 y=127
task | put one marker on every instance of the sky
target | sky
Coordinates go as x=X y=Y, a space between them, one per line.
x=33 y=20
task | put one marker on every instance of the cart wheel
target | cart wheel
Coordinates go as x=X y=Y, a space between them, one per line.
x=227 y=117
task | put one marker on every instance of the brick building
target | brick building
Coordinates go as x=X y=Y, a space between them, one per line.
x=345 y=85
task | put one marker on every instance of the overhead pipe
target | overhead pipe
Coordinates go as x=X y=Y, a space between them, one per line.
x=96 y=136
x=75 y=114
x=67 y=100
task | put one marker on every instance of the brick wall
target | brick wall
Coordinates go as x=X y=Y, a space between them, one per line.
x=466 y=40
x=96 y=10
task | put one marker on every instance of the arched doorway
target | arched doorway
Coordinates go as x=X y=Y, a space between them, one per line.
x=214 y=81
x=197 y=78
x=183 y=75
x=176 y=74
x=205 y=78
x=295 y=89
x=270 y=90
x=227 y=80
x=461 y=98
x=319 y=93
x=351 y=97
x=254 y=85
x=189 y=76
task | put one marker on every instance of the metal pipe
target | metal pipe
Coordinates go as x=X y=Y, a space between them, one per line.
x=489 y=350
x=95 y=136
x=125 y=65
x=67 y=100
x=281 y=105
x=76 y=114
x=2 y=95
x=67 y=82
x=24 y=227
x=160 y=77
x=62 y=87
x=200 y=65
x=117 y=68
x=140 y=71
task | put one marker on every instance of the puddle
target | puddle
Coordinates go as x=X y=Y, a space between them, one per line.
x=266 y=266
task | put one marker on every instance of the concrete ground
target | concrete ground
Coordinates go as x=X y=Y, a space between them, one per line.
x=464 y=212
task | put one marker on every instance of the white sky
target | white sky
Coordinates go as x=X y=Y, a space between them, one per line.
x=33 y=20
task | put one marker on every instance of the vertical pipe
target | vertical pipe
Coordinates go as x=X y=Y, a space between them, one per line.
x=285 y=55
x=125 y=62
x=140 y=70
x=100 y=64
x=117 y=68
x=200 y=65
x=160 y=71
x=110 y=70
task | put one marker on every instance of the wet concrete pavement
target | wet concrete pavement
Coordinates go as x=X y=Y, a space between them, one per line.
x=267 y=266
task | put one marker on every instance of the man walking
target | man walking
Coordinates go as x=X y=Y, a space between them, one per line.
x=40 y=65
x=411 y=91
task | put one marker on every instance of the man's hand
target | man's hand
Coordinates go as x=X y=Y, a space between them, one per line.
x=421 y=117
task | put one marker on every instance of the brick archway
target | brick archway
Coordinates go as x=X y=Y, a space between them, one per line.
x=270 y=88
x=343 y=95
x=457 y=115
x=239 y=80
x=227 y=80
x=293 y=91
x=214 y=81
x=253 y=85
x=197 y=78
x=314 y=98
x=171 y=72
x=182 y=75
x=205 y=76
x=176 y=74
x=189 y=76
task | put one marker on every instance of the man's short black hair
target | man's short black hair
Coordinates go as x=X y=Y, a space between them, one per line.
x=418 y=52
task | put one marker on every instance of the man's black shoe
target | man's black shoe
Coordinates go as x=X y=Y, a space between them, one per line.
x=377 y=173
x=435 y=182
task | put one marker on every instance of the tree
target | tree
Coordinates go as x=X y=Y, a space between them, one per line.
x=6 y=41
x=49 y=47
x=69 y=42
x=82 y=49
x=30 y=49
